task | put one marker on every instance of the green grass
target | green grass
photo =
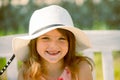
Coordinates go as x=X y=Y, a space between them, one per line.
x=116 y=57
x=98 y=65
x=2 y=63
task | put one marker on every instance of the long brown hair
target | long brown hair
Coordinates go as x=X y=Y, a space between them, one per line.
x=32 y=68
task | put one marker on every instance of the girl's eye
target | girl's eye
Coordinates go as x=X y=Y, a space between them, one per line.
x=45 y=38
x=62 y=38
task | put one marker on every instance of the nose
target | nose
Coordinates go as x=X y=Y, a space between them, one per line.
x=53 y=47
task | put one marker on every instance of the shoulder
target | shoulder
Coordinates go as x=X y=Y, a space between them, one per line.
x=85 y=61
x=85 y=72
x=84 y=65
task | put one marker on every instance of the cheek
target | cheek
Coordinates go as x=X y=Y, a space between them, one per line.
x=40 y=47
x=65 y=47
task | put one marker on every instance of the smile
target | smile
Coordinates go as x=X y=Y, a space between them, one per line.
x=52 y=54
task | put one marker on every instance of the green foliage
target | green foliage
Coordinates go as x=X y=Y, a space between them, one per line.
x=116 y=56
x=117 y=69
x=101 y=16
x=100 y=26
x=2 y=62
x=98 y=66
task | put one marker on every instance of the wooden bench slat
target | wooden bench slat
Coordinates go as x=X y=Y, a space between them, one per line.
x=108 y=68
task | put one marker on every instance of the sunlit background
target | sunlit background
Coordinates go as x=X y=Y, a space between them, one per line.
x=86 y=14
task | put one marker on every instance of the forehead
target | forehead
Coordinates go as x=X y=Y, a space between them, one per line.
x=55 y=32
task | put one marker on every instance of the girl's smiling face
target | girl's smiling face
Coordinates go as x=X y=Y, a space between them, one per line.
x=52 y=46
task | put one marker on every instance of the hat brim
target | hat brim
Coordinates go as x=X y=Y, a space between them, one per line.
x=20 y=44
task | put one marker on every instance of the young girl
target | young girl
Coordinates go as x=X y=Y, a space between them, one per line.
x=50 y=50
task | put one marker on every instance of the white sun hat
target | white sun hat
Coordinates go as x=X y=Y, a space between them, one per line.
x=44 y=20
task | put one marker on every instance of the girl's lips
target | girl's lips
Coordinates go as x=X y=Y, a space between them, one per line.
x=50 y=53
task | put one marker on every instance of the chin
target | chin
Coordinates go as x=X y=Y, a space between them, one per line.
x=53 y=62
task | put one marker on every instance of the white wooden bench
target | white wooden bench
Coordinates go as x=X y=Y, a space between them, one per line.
x=103 y=41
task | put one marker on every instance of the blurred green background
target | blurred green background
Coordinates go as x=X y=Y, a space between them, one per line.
x=86 y=14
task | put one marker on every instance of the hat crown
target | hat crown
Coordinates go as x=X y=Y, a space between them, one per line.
x=49 y=16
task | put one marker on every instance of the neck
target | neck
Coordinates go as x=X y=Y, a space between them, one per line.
x=53 y=69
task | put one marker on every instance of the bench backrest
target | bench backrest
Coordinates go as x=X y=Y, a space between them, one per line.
x=103 y=41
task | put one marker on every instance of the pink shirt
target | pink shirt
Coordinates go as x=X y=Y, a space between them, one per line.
x=66 y=75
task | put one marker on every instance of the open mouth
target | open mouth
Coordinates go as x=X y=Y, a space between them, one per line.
x=52 y=53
